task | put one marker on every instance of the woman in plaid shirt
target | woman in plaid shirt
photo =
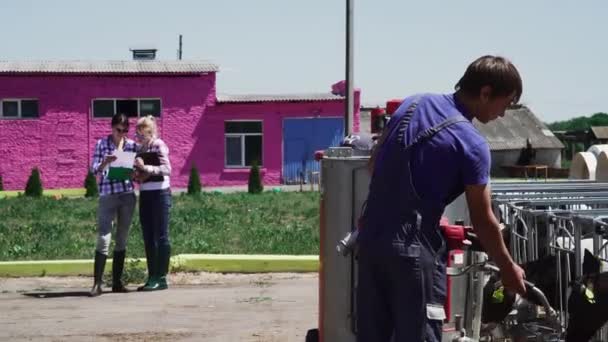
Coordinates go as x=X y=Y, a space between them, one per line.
x=116 y=203
x=152 y=172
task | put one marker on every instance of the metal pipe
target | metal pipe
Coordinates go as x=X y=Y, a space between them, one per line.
x=560 y=201
x=559 y=283
x=568 y=281
x=349 y=103
x=573 y=194
x=577 y=251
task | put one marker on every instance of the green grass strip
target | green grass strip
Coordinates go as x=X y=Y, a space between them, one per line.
x=184 y=263
x=79 y=192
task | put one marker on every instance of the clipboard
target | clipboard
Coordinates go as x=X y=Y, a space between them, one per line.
x=151 y=158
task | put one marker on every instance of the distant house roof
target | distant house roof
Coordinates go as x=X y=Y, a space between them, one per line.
x=511 y=131
x=107 y=67
x=305 y=97
x=600 y=132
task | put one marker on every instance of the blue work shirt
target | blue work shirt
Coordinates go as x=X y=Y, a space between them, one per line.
x=440 y=167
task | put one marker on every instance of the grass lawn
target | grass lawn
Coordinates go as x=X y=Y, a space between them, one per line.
x=239 y=223
x=61 y=192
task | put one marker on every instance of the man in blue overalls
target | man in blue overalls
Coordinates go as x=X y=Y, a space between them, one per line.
x=429 y=154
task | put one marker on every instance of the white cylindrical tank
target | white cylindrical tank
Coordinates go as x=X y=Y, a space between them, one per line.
x=601 y=172
x=597 y=149
x=583 y=166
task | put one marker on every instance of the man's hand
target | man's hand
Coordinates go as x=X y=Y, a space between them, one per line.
x=512 y=277
x=488 y=230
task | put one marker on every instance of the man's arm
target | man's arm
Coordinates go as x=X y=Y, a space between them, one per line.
x=487 y=229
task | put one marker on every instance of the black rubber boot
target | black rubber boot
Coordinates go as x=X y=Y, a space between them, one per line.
x=100 y=264
x=151 y=263
x=159 y=282
x=118 y=265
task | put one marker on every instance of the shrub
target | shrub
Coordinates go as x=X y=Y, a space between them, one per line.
x=255 y=185
x=194 y=183
x=33 y=187
x=90 y=184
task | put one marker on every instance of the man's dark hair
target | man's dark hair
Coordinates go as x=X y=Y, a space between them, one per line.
x=120 y=119
x=494 y=71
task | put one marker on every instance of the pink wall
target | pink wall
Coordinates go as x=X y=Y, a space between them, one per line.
x=208 y=152
x=61 y=141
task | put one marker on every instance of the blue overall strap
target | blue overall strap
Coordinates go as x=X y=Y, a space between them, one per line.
x=430 y=132
x=405 y=121
x=424 y=136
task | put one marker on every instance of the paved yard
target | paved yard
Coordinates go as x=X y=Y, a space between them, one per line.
x=197 y=307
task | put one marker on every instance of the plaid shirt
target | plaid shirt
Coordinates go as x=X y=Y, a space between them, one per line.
x=104 y=147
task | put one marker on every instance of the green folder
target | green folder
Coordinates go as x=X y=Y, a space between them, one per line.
x=120 y=173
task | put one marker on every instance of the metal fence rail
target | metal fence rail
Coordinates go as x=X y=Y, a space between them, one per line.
x=555 y=219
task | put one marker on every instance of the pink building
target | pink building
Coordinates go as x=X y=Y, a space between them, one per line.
x=52 y=113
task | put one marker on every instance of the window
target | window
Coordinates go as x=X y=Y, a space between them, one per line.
x=103 y=108
x=243 y=143
x=106 y=108
x=128 y=107
x=10 y=109
x=149 y=107
x=29 y=108
x=19 y=108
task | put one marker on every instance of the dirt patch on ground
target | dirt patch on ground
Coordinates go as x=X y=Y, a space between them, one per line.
x=197 y=307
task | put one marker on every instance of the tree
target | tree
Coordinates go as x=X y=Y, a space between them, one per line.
x=90 y=184
x=194 y=183
x=33 y=187
x=580 y=123
x=255 y=185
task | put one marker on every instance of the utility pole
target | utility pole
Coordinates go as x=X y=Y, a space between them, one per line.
x=349 y=103
x=179 y=51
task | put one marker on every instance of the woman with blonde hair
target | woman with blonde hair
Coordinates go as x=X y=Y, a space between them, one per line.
x=152 y=172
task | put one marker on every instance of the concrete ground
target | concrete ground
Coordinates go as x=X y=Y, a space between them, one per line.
x=197 y=307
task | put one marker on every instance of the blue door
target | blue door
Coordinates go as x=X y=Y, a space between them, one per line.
x=301 y=138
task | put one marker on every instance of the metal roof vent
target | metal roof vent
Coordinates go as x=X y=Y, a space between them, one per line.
x=144 y=54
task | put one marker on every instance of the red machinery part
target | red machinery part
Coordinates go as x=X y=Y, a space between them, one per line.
x=377 y=111
x=455 y=236
x=392 y=105
x=377 y=120
x=319 y=155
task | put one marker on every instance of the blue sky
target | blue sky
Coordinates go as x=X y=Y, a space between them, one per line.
x=284 y=46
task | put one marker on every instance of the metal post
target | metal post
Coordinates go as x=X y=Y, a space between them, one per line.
x=577 y=251
x=349 y=103
x=180 y=48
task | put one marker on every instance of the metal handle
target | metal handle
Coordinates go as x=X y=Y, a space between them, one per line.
x=474 y=242
x=347 y=244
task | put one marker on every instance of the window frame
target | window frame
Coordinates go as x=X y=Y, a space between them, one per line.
x=19 y=111
x=242 y=138
x=115 y=99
